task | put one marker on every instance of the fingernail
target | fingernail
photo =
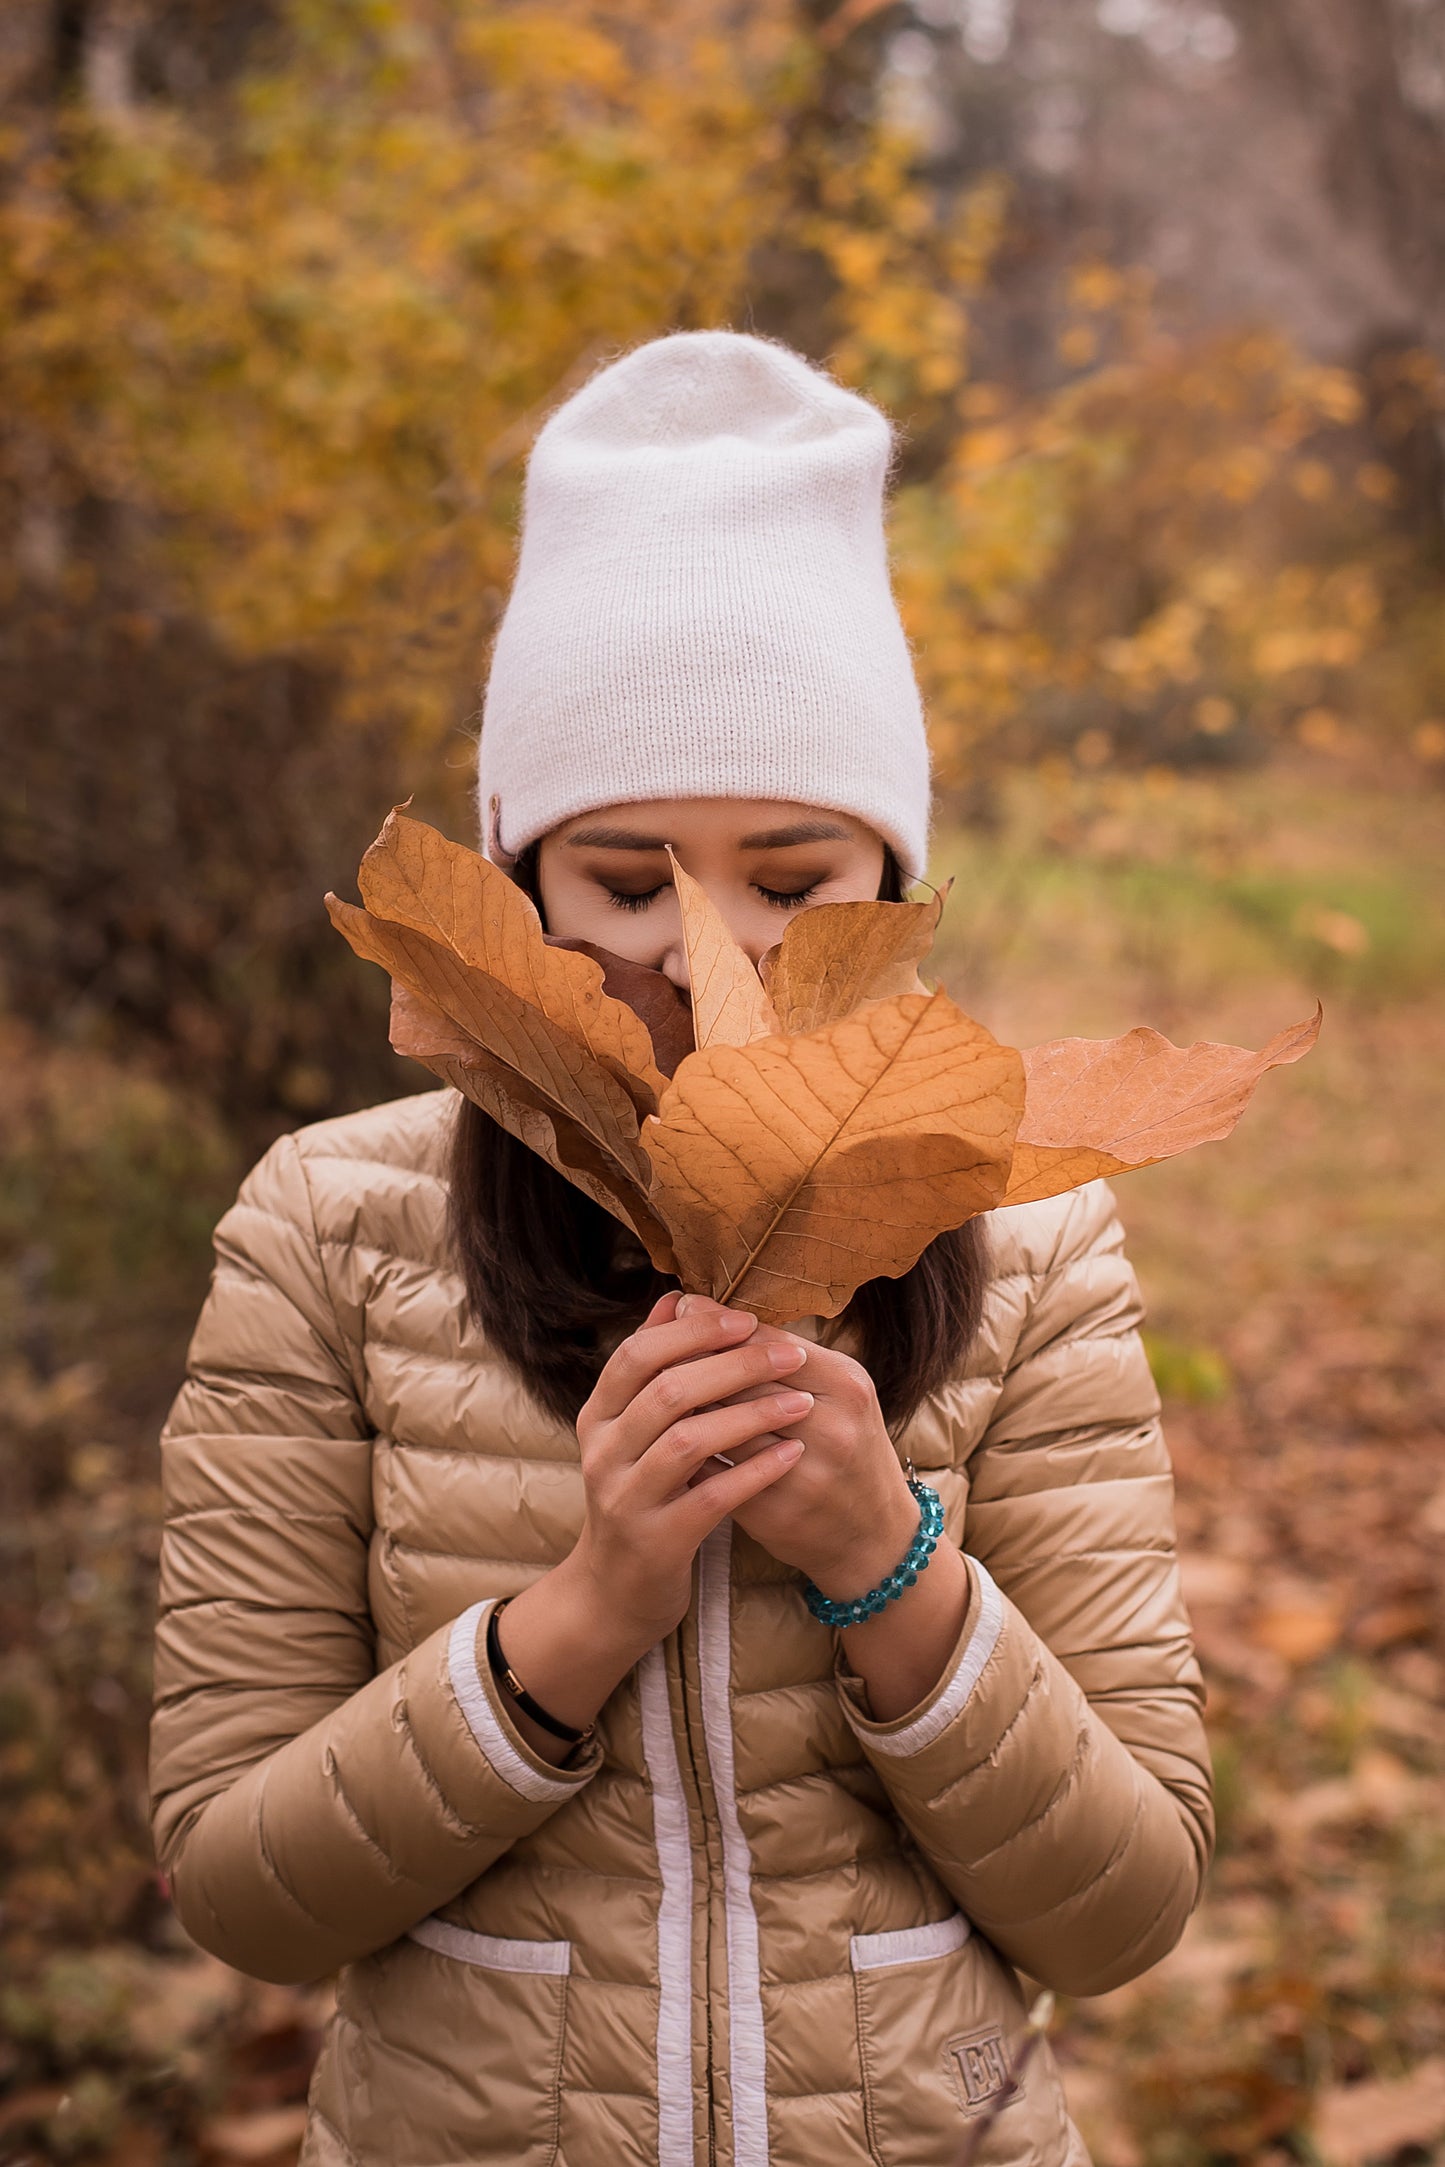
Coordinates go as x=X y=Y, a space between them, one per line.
x=734 y=1321
x=793 y=1403
x=785 y=1358
x=789 y=1450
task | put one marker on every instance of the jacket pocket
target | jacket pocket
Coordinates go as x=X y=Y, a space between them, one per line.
x=490 y=1952
x=452 y=2050
x=939 y=2018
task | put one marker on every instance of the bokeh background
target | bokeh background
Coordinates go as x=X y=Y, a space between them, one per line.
x=1156 y=292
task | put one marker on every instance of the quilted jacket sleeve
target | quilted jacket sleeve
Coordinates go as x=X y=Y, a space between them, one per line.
x=306 y=1810
x=1058 y=1775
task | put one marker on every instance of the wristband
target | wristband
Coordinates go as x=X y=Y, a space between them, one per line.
x=506 y=1677
x=892 y=1585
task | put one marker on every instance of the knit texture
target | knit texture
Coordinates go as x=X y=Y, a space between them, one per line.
x=702 y=605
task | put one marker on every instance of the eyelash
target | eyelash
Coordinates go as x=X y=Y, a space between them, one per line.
x=778 y=898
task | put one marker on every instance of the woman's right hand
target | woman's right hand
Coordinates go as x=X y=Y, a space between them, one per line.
x=646 y=1433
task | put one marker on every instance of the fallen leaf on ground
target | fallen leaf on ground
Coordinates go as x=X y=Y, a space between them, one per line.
x=1298 y=1632
x=1357 y=2123
x=254 y=2137
x=1379 y=1790
x=1409 y=1618
x=33 y=2104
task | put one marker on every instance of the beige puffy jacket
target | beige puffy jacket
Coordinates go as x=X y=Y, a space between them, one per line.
x=752 y=1926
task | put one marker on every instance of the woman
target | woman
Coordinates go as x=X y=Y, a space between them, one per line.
x=668 y=1861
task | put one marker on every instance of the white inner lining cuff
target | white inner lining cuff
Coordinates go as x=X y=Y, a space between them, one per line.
x=481 y=1717
x=934 y=1721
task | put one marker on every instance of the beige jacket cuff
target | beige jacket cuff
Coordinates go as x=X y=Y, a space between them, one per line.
x=985 y=1750
x=968 y=1673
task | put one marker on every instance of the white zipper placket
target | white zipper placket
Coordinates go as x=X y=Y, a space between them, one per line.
x=746 y=2041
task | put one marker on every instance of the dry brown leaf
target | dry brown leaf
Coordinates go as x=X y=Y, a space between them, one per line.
x=1357 y=2123
x=424 y=1034
x=663 y=1007
x=1109 y=1105
x=556 y=1065
x=790 y=1158
x=1297 y=1632
x=1379 y=1792
x=415 y=877
x=265 y=2134
x=793 y=1169
x=836 y=956
x=729 y=1006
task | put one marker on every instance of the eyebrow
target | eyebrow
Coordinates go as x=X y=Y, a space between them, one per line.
x=614 y=839
x=800 y=831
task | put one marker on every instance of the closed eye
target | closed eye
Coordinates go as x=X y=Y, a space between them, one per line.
x=787 y=898
x=635 y=899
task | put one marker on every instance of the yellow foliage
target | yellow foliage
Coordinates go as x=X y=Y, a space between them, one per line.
x=310 y=334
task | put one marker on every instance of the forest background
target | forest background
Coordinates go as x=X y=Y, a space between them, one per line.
x=1155 y=290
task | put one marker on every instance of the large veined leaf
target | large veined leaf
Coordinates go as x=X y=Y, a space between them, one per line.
x=1111 y=1105
x=412 y=876
x=836 y=956
x=533 y=1045
x=792 y=1169
x=664 y=1007
x=530 y=1113
x=826 y=1117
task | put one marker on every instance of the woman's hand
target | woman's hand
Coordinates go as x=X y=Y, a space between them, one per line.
x=845 y=1516
x=677 y=1392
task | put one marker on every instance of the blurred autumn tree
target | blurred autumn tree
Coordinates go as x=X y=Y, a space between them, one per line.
x=280 y=329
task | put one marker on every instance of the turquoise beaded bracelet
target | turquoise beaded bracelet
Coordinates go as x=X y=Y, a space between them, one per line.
x=892 y=1585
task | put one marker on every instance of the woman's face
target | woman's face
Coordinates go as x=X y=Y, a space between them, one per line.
x=605 y=877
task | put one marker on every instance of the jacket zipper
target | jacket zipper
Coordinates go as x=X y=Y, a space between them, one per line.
x=696 y=1761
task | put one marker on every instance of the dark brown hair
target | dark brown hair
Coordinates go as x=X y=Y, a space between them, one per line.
x=553 y=1280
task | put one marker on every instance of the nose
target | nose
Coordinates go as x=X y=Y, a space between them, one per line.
x=673 y=962
x=673 y=965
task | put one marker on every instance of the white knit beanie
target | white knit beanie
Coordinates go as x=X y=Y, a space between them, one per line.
x=702 y=605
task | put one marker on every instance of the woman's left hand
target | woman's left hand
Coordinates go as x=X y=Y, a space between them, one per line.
x=844 y=1515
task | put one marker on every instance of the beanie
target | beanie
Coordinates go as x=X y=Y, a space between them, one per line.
x=701 y=605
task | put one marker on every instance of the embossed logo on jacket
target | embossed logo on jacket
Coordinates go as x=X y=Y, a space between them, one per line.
x=981 y=2066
